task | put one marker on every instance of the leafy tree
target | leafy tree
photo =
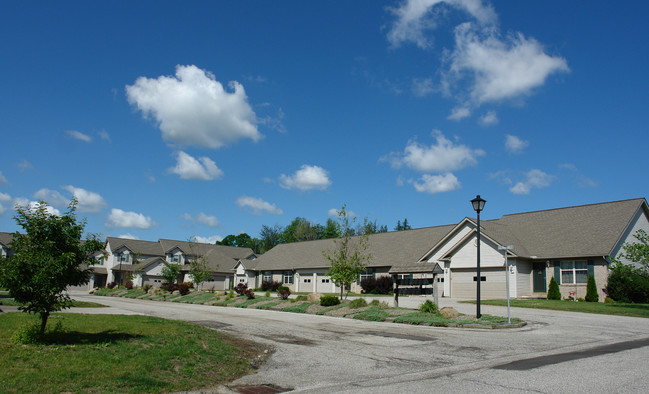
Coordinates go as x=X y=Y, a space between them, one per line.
x=198 y=268
x=553 y=290
x=47 y=259
x=591 y=290
x=331 y=229
x=270 y=237
x=350 y=256
x=627 y=282
x=638 y=252
x=170 y=272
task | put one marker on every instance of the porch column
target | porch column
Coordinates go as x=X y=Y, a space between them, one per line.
x=315 y=282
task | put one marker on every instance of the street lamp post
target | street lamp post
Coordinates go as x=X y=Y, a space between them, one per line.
x=478 y=205
x=507 y=248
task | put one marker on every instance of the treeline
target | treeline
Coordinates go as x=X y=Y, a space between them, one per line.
x=300 y=229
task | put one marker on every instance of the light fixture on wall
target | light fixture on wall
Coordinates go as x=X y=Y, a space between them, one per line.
x=478 y=205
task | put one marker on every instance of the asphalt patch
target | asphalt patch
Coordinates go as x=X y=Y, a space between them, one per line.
x=536 y=362
x=398 y=336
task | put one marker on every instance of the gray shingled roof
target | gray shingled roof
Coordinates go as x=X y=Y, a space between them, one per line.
x=146 y=248
x=387 y=249
x=6 y=238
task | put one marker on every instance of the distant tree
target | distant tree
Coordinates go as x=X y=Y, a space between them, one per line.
x=47 y=259
x=229 y=240
x=331 y=229
x=270 y=237
x=305 y=231
x=349 y=258
x=402 y=226
x=383 y=229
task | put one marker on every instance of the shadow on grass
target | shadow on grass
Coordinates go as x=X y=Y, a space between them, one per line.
x=85 y=338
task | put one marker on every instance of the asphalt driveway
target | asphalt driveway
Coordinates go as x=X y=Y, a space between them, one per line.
x=556 y=352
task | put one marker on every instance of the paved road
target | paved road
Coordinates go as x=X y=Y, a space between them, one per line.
x=557 y=352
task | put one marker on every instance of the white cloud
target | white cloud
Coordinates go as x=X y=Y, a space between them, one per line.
x=104 y=135
x=258 y=206
x=437 y=183
x=488 y=119
x=52 y=197
x=189 y=168
x=533 y=179
x=415 y=17
x=4 y=199
x=25 y=165
x=459 y=113
x=306 y=178
x=513 y=144
x=202 y=218
x=422 y=87
x=333 y=212
x=87 y=201
x=128 y=236
x=119 y=218
x=208 y=240
x=2 y=178
x=499 y=69
x=33 y=205
x=193 y=108
x=77 y=135
x=443 y=156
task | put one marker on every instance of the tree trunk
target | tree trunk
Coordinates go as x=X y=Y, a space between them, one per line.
x=44 y=316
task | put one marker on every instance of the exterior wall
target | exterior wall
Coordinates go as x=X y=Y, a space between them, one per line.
x=639 y=222
x=600 y=267
x=523 y=278
x=176 y=253
x=463 y=285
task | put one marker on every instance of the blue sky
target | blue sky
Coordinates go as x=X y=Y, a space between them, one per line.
x=180 y=119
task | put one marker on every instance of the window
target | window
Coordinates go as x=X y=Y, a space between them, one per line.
x=482 y=278
x=574 y=272
x=174 y=258
x=287 y=277
x=307 y=280
x=267 y=276
x=325 y=281
x=122 y=258
x=368 y=273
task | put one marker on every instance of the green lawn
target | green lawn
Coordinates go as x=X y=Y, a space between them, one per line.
x=77 y=304
x=637 y=310
x=112 y=353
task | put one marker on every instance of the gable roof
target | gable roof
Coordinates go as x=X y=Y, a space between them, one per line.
x=6 y=238
x=146 y=248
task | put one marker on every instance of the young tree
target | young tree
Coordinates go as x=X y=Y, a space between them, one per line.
x=638 y=252
x=170 y=272
x=198 y=268
x=350 y=256
x=553 y=290
x=47 y=259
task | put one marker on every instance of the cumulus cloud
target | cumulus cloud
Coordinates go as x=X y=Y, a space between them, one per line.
x=333 y=212
x=202 y=218
x=437 y=183
x=442 y=156
x=499 y=69
x=513 y=144
x=488 y=119
x=193 y=108
x=52 y=197
x=422 y=87
x=34 y=205
x=258 y=206
x=459 y=113
x=416 y=17
x=87 y=201
x=306 y=178
x=190 y=168
x=208 y=240
x=533 y=179
x=128 y=236
x=124 y=219
x=77 y=135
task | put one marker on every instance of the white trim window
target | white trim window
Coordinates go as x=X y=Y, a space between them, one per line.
x=288 y=277
x=574 y=272
x=267 y=276
x=121 y=258
x=174 y=258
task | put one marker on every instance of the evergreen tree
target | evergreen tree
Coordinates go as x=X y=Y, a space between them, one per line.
x=553 y=290
x=591 y=290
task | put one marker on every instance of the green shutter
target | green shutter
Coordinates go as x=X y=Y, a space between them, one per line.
x=591 y=268
x=410 y=276
x=373 y=273
x=557 y=272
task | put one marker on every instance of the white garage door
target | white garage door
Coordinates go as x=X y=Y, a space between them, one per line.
x=463 y=283
x=306 y=283
x=217 y=282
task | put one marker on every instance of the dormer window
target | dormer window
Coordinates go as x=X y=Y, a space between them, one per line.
x=174 y=258
x=121 y=258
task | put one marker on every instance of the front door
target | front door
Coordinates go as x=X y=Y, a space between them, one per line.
x=538 y=277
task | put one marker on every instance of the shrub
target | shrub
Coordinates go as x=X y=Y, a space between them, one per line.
x=241 y=288
x=129 y=285
x=190 y=285
x=358 y=303
x=146 y=288
x=368 y=284
x=249 y=293
x=628 y=284
x=283 y=293
x=609 y=300
x=553 y=290
x=183 y=289
x=591 y=290
x=272 y=286
x=428 y=307
x=329 y=301
x=267 y=293
x=384 y=284
x=111 y=285
x=375 y=303
x=170 y=287
x=300 y=297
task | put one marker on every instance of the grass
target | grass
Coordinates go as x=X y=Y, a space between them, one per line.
x=433 y=319
x=113 y=353
x=196 y=298
x=270 y=304
x=253 y=301
x=374 y=313
x=333 y=308
x=622 y=309
x=298 y=308
x=6 y=300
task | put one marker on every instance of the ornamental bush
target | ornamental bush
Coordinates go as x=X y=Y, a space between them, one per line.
x=249 y=293
x=111 y=285
x=368 y=284
x=329 y=301
x=428 y=306
x=270 y=285
x=241 y=288
x=384 y=284
x=183 y=289
x=591 y=290
x=358 y=303
x=129 y=285
x=283 y=292
x=553 y=290
x=628 y=284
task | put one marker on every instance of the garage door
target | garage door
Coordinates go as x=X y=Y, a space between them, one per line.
x=217 y=282
x=306 y=283
x=463 y=283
